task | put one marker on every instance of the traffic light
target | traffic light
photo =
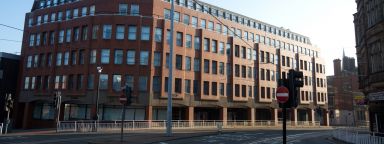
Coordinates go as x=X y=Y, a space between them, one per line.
x=295 y=82
x=8 y=102
x=128 y=94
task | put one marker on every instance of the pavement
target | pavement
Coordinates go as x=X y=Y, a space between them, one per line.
x=185 y=136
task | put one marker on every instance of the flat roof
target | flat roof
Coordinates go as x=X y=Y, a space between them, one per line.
x=9 y=56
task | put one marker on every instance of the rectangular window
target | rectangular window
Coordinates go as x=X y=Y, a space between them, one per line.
x=187 y=86
x=156 y=84
x=237 y=70
x=196 y=87
x=95 y=31
x=157 y=59
x=92 y=58
x=194 y=22
x=103 y=81
x=206 y=88
x=221 y=48
x=202 y=23
x=68 y=35
x=188 y=41
x=79 y=82
x=145 y=33
x=116 y=83
x=214 y=88
x=144 y=56
x=120 y=32
x=243 y=91
x=32 y=40
x=59 y=16
x=52 y=37
x=197 y=43
x=206 y=44
x=249 y=72
x=84 y=11
x=58 y=59
x=135 y=9
x=91 y=79
x=179 y=39
x=76 y=34
x=29 y=62
x=221 y=68
x=118 y=56
x=206 y=66
x=66 y=58
x=188 y=63
x=178 y=85
x=73 y=56
x=132 y=32
x=262 y=74
x=123 y=9
x=221 y=89
x=186 y=19
x=92 y=10
x=37 y=39
x=68 y=15
x=179 y=62
x=159 y=35
x=105 y=56
x=131 y=57
x=45 y=19
x=210 y=25
x=214 y=46
x=107 y=31
x=167 y=14
x=143 y=83
x=129 y=80
x=237 y=90
x=75 y=13
x=53 y=17
x=84 y=33
x=196 y=64
x=214 y=67
x=243 y=71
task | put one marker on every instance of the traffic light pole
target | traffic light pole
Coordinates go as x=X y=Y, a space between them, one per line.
x=122 y=123
x=7 y=122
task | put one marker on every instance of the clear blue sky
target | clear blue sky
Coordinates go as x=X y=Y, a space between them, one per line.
x=329 y=23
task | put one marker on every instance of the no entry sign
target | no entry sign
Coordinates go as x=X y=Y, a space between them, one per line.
x=123 y=99
x=282 y=94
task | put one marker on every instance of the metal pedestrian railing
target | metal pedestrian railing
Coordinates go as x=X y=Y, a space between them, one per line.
x=357 y=136
x=105 y=126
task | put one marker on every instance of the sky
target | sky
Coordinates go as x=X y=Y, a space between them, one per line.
x=328 y=23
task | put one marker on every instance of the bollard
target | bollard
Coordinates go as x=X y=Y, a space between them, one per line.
x=219 y=128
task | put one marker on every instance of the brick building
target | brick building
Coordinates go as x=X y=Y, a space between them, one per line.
x=369 y=35
x=224 y=69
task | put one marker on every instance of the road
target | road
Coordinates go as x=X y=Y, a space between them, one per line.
x=180 y=137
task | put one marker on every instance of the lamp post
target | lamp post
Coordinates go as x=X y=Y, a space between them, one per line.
x=99 y=70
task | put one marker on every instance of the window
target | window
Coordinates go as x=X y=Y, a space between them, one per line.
x=168 y=36
x=129 y=80
x=221 y=47
x=210 y=25
x=145 y=33
x=52 y=37
x=75 y=13
x=76 y=34
x=68 y=15
x=79 y=82
x=197 y=43
x=105 y=56
x=178 y=85
x=68 y=36
x=45 y=19
x=135 y=9
x=214 y=46
x=92 y=10
x=32 y=40
x=176 y=16
x=92 y=58
x=214 y=67
x=58 y=59
x=206 y=44
x=103 y=81
x=179 y=39
x=43 y=111
x=268 y=75
x=237 y=90
x=194 y=21
x=218 y=28
x=84 y=11
x=186 y=19
x=237 y=50
x=237 y=70
x=59 y=16
x=84 y=33
x=107 y=31
x=120 y=32
x=37 y=39
x=188 y=41
x=66 y=58
x=196 y=64
x=131 y=57
x=157 y=59
x=116 y=84
x=262 y=74
x=26 y=83
x=243 y=71
x=118 y=56
x=179 y=62
x=123 y=9
x=132 y=32
x=206 y=88
x=144 y=56
x=142 y=83
x=73 y=56
x=243 y=91
x=91 y=79
x=249 y=72
x=214 y=88
x=29 y=62
x=187 y=86
x=221 y=89
x=196 y=87
x=167 y=14
x=206 y=66
x=156 y=84
x=36 y=61
x=158 y=34
x=188 y=63
x=202 y=23
x=221 y=68
x=95 y=31
x=229 y=49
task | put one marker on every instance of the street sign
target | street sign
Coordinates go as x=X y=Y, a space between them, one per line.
x=123 y=99
x=282 y=94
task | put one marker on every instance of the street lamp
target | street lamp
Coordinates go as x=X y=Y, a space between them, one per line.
x=99 y=70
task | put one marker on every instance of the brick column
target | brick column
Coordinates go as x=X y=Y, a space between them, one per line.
x=275 y=116
x=149 y=113
x=191 y=115
x=312 y=114
x=223 y=115
x=294 y=117
x=251 y=115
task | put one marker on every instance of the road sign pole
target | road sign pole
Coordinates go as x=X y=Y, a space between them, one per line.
x=284 y=124
x=122 y=123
